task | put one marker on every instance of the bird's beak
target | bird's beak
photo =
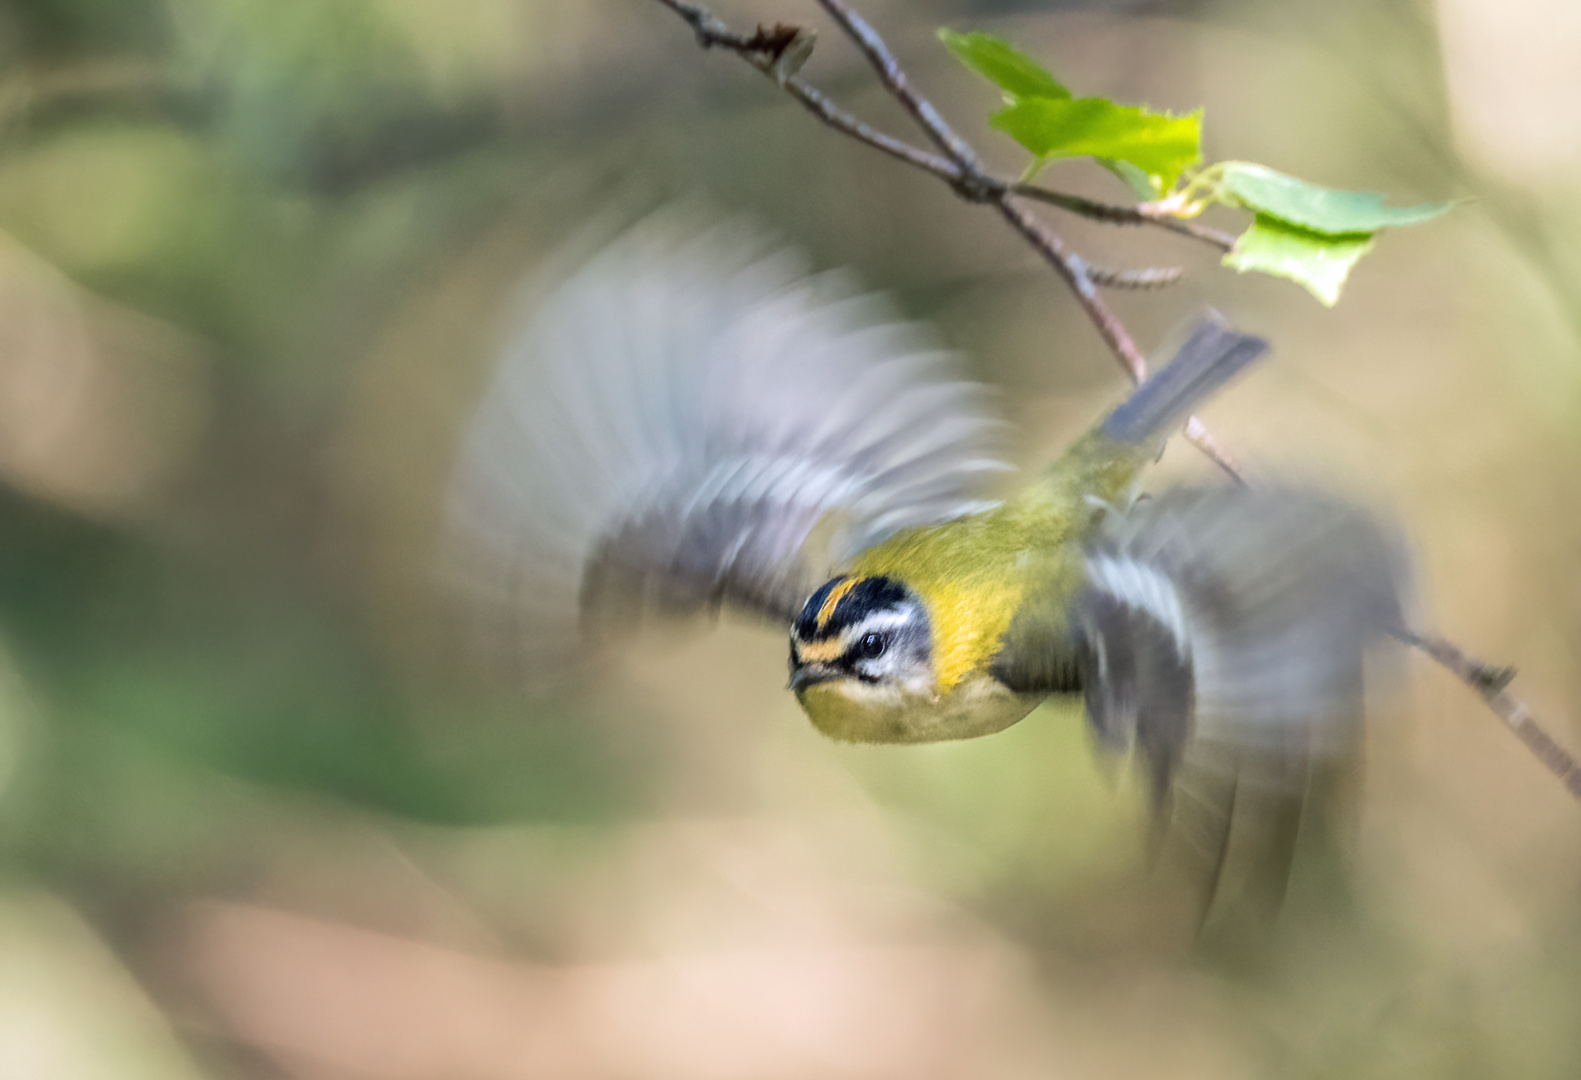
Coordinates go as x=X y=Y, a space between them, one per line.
x=809 y=675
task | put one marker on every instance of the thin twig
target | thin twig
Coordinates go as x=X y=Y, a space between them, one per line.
x=1491 y=683
x=974 y=183
x=1110 y=214
x=711 y=32
x=709 y=28
x=1199 y=436
x=1070 y=266
x=830 y=114
x=1150 y=277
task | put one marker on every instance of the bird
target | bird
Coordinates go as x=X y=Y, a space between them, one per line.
x=684 y=418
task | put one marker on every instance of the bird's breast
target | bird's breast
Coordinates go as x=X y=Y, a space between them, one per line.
x=854 y=711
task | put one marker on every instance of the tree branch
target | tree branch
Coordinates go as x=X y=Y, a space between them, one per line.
x=1073 y=269
x=758 y=50
x=1151 y=277
x=974 y=184
x=963 y=172
x=960 y=169
x=1110 y=214
x=1491 y=683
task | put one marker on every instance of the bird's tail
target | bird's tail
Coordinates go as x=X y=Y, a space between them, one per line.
x=1211 y=356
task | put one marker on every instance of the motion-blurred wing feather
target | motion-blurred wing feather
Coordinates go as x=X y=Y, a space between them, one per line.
x=678 y=415
x=1244 y=619
x=1222 y=634
x=1276 y=597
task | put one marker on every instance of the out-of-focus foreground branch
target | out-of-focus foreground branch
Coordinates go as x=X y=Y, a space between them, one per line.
x=778 y=52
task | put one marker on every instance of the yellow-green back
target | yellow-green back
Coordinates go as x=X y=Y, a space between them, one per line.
x=974 y=573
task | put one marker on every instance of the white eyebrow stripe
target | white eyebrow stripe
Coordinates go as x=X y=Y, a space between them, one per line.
x=879 y=620
x=1143 y=588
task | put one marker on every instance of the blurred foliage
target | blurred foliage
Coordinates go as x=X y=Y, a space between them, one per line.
x=254 y=254
x=171 y=159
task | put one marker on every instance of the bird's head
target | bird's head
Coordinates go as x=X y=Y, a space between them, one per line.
x=861 y=657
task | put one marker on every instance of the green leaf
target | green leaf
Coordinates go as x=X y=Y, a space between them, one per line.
x=1313 y=260
x=1317 y=209
x=1002 y=64
x=1162 y=146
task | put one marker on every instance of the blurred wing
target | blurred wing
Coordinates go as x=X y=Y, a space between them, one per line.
x=687 y=419
x=1223 y=634
x=1226 y=636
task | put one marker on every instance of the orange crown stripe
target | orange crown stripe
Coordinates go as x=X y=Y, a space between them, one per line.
x=832 y=601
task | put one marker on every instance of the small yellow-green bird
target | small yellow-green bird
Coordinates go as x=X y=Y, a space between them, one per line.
x=686 y=418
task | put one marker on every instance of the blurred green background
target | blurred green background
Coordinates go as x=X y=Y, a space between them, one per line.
x=260 y=818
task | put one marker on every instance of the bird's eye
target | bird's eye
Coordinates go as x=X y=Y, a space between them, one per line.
x=873 y=646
